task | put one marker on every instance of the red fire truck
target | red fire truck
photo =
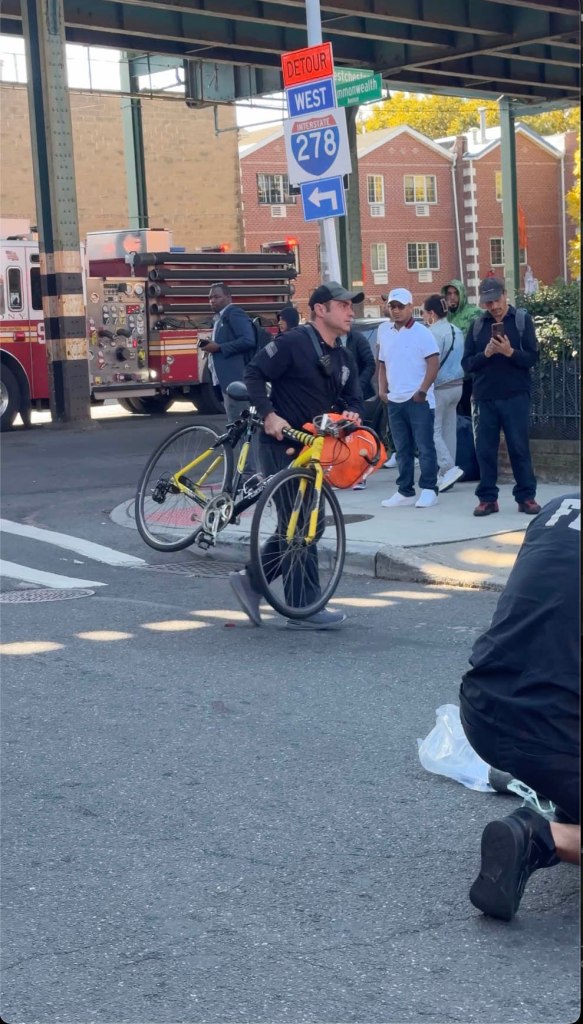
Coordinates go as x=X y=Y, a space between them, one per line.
x=147 y=307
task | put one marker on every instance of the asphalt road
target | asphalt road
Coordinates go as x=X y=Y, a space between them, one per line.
x=208 y=822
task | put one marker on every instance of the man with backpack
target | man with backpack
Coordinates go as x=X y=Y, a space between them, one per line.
x=499 y=350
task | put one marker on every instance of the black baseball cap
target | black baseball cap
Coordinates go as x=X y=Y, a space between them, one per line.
x=491 y=288
x=333 y=290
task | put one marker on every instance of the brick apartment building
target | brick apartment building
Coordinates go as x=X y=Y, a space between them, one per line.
x=192 y=174
x=429 y=210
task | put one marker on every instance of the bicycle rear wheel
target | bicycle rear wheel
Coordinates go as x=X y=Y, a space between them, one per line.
x=297 y=578
x=168 y=519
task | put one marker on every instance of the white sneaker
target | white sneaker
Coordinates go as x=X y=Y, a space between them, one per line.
x=391 y=463
x=427 y=499
x=398 y=501
x=360 y=486
x=448 y=479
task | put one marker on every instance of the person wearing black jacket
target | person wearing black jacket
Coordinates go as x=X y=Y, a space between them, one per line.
x=362 y=354
x=519 y=706
x=301 y=390
x=499 y=357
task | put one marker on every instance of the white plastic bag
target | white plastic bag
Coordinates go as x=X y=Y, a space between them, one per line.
x=446 y=751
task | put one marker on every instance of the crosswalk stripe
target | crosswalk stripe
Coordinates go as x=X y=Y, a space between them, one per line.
x=97 y=552
x=46 y=579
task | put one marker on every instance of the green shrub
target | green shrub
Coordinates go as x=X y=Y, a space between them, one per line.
x=556 y=310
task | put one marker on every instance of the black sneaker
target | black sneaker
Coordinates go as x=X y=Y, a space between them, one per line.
x=512 y=848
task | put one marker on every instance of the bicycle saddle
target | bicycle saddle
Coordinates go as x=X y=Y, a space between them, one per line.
x=238 y=391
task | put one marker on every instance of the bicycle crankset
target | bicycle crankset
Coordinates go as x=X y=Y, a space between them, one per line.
x=217 y=514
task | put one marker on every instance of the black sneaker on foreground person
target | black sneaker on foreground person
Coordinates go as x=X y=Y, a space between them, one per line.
x=512 y=848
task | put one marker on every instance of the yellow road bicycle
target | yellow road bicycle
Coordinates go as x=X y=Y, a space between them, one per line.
x=191 y=489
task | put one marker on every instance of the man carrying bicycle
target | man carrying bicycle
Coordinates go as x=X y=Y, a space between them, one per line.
x=310 y=373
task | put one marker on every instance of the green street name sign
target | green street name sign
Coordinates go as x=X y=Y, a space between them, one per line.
x=357 y=85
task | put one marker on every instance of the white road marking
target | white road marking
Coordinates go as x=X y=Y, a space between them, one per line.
x=97 y=552
x=46 y=579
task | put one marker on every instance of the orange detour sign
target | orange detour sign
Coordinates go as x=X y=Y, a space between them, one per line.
x=307 y=65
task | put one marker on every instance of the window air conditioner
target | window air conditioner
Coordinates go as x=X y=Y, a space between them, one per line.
x=422 y=209
x=377 y=209
x=278 y=211
x=425 y=276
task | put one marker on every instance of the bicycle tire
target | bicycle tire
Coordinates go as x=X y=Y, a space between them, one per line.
x=267 y=523
x=174 y=523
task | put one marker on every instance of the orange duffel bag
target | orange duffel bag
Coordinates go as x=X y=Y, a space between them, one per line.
x=350 y=456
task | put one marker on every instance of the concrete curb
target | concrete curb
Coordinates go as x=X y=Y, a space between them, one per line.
x=363 y=558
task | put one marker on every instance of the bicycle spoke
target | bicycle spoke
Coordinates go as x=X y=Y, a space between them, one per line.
x=167 y=516
x=295 y=580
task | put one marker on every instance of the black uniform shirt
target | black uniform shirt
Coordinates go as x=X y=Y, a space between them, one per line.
x=299 y=390
x=524 y=678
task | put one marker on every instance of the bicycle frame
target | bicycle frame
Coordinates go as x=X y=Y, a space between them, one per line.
x=231 y=436
x=310 y=456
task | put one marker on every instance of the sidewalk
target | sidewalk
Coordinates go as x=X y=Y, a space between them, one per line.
x=445 y=544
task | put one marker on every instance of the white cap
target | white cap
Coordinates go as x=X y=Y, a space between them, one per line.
x=400 y=295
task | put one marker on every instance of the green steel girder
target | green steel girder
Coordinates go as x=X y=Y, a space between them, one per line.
x=527 y=49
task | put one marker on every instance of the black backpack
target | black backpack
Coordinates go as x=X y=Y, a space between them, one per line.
x=262 y=335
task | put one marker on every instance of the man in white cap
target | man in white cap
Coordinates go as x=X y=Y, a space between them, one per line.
x=408 y=366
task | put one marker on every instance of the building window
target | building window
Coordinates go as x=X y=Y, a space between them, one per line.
x=14 y=288
x=423 y=255
x=497 y=253
x=498 y=180
x=420 y=188
x=375 y=187
x=36 y=295
x=273 y=190
x=418 y=312
x=378 y=258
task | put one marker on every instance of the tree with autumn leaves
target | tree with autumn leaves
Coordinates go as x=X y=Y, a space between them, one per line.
x=574 y=211
x=440 y=116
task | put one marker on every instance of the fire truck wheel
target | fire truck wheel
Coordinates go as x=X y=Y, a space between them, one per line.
x=152 y=405
x=206 y=401
x=9 y=398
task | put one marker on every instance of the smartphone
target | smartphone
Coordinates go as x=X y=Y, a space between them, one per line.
x=497 y=330
x=203 y=342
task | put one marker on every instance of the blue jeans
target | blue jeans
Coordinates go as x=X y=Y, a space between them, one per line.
x=411 y=426
x=511 y=414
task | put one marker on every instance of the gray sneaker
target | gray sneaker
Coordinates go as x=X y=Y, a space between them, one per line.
x=321 y=620
x=247 y=597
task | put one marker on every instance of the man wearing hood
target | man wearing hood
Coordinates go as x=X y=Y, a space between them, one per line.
x=460 y=313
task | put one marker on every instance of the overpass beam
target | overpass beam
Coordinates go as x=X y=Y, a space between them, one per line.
x=133 y=137
x=56 y=206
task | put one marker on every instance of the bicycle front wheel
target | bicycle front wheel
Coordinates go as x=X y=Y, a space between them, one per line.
x=298 y=568
x=167 y=518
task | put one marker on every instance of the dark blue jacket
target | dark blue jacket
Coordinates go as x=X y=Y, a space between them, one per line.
x=236 y=338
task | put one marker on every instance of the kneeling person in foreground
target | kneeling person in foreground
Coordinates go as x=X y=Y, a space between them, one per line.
x=310 y=374
x=519 y=707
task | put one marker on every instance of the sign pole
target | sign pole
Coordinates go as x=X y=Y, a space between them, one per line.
x=330 y=266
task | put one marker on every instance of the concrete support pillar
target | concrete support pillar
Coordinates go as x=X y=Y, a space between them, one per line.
x=509 y=197
x=56 y=207
x=133 y=136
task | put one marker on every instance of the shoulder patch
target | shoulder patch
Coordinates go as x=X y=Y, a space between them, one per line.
x=270 y=349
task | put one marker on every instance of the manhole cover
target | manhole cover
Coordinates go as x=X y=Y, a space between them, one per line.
x=34 y=596
x=202 y=568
